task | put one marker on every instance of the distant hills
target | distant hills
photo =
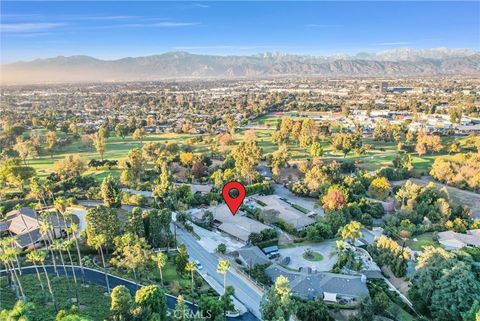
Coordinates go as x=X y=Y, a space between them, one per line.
x=178 y=65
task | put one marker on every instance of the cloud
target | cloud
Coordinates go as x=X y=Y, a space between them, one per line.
x=397 y=43
x=162 y=24
x=194 y=5
x=29 y=27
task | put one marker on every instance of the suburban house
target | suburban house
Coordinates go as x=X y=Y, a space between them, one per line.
x=24 y=225
x=239 y=226
x=251 y=256
x=452 y=240
x=329 y=287
x=284 y=211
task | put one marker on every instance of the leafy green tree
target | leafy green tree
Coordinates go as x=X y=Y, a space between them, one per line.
x=134 y=222
x=444 y=286
x=379 y=188
x=351 y=231
x=121 y=130
x=277 y=302
x=131 y=253
x=102 y=221
x=152 y=301
x=279 y=159
x=313 y=311
x=160 y=260
x=133 y=167
x=181 y=259
x=345 y=143
x=99 y=142
x=51 y=141
x=21 y=311
x=111 y=192
x=316 y=150
x=138 y=134
x=247 y=157
x=121 y=304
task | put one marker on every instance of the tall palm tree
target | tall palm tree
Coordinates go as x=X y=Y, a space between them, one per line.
x=34 y=249
x=73 y=231
x=39 y=257
x=58 y=246
x=66 y=246
x=10 y=253
x=45 y=231
x=222 y=268
x=99 y=241
x=31 y=259
x=190 y=267
x=160 y=259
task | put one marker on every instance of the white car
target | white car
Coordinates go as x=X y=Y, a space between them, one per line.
x=198 y=264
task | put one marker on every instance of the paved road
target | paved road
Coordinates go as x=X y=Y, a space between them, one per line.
x=244 y=292
x=98 y=277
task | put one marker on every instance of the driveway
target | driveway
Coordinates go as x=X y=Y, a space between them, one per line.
x=210 y=240
x=327 y=249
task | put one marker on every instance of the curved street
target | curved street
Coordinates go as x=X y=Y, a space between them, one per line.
x=98 y=277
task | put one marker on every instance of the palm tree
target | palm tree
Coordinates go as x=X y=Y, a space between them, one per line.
x=9 y=254
x=73 y=231
x=190 y=267
x=28 y=228
x=58 y=246
x=222 y=268
x=39 y=257
x=99 y=241
x=160 y=259
x=45 y=229
x=31 y=258
x=66 y=246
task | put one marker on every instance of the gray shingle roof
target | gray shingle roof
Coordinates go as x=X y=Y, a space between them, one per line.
x=312 y=286
x=252 y=255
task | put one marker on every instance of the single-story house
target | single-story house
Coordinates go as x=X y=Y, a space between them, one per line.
x=238 y=226
x=329 y=287
x=251 y=256
x=286 y=212
x=452 y=240
x=25 y=225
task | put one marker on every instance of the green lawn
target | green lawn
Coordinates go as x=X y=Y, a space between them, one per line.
x=314 y=256
x=93 y=303
x=425 y=239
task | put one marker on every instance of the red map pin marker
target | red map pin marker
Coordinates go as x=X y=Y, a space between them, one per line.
x=233 y=203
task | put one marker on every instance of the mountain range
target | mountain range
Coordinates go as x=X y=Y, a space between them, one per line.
x=183 y=65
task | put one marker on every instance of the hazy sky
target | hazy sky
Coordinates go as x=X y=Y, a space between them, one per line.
x=109 y=30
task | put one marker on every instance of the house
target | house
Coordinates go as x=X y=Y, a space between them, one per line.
x=251 y=256
x=25 y=226
x=452 y=240
x=239 y=226
x=329 y=287
x=285 y=211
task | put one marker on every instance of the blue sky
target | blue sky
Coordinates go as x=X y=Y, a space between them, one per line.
x=112 y=30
